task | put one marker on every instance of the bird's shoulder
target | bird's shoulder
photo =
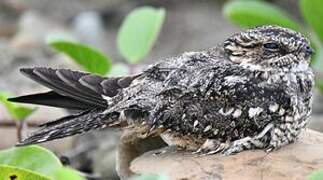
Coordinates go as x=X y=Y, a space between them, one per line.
x=190 y=66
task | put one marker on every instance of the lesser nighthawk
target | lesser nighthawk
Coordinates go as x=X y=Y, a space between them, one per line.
x=252 y=91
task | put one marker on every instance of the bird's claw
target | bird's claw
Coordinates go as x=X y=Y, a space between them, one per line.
x=234 y=148
x=211 y=147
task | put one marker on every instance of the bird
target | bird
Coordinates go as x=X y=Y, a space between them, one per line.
x=252 y=91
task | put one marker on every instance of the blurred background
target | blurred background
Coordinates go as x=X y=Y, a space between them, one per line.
x=26 y=26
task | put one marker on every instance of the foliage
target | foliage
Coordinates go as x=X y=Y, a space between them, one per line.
x=18 y=112
x=21 y=163
x=11 y=172
x=66 y=173
x=150 y=177
x=138 y=32
x=313 y=14
x=136 y=37
x=318 y=175
x=24 y=157
x=88 y=58
x=250 y=13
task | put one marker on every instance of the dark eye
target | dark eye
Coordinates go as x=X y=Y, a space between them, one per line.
x=271 y=46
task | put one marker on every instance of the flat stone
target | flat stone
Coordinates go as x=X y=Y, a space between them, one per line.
x=294 y=161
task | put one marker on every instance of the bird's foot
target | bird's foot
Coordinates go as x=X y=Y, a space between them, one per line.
x=257 y=141
x=237 y=146
x=269 y=149
x=211 y=146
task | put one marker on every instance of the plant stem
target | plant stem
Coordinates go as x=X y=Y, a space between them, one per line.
x=20 y=126
x=11 y=123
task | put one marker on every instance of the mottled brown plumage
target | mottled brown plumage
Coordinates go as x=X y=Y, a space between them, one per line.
x=252 y=91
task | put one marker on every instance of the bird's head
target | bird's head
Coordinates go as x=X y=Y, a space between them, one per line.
x=268 y=47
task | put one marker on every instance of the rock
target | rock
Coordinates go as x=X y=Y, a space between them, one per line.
x=65 y=10
x=294 y=161
x=9 y=14
x=317 y=102
x=33 y=31
x=89 y=29
x=316 y=119
x=131 y=146
x=316 y=122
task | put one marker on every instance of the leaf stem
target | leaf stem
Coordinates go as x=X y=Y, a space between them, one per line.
x=20 y=127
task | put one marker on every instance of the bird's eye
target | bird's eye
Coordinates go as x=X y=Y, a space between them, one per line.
x=271 y=46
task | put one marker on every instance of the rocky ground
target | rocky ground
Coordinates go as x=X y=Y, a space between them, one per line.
x=295 y=161
x=25 y=25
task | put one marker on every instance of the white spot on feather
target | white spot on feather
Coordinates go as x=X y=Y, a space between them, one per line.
x=209 y=127
x=281 y=111
x=215 y=132
x=234 y=79
x=196 y=122
x=273 y=107
x=108 y=99
x=289 y=119
x=254 y=111
x=251 y=67
x=237 y=113
x=221 y=111
x=301 y=67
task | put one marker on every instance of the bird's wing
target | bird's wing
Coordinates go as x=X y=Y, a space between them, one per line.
x=72 y=89
x=208 y=96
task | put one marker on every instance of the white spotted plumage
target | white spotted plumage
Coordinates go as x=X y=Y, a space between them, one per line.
x=254 y=90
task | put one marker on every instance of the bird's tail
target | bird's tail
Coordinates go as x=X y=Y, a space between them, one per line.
x=87 y=93
x=71 y=125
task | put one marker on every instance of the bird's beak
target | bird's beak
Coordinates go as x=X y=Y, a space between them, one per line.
x=308 y=50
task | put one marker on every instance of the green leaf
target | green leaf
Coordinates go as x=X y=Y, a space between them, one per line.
x=18 y=112
x=150 y=177
x=313 y=14
x=10 y=106
x=88 y=58
x=119 y=70
x=15 y=173
x=66 y=173
x=34 y=158
x=22 y=112
x=318 y=175
x=139 y=32
x=253 y=13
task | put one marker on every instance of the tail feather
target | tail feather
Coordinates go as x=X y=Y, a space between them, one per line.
x=64 y=119
x=74 y=90
x=49 y=78
x=71 y=125
x=52 y=98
